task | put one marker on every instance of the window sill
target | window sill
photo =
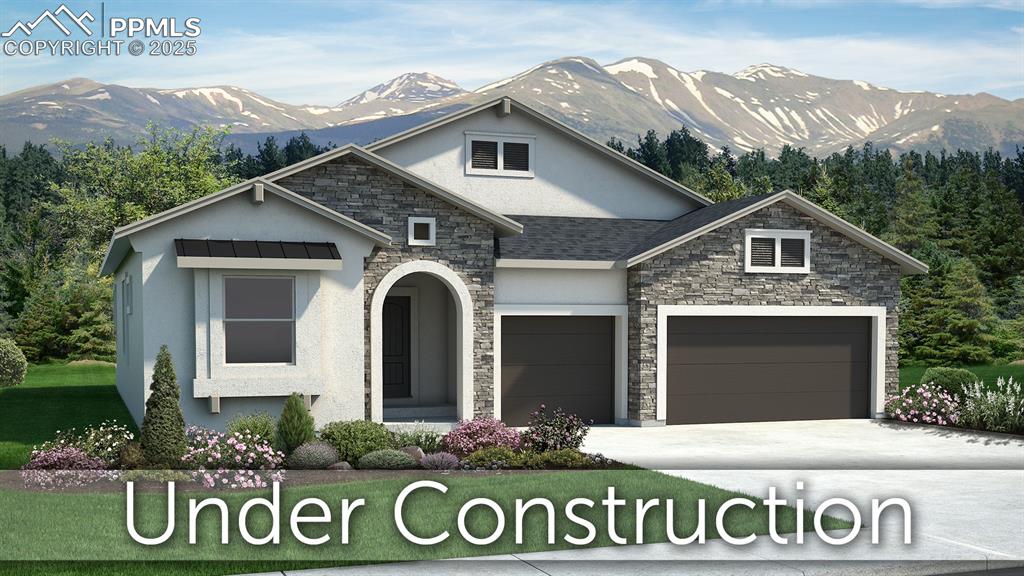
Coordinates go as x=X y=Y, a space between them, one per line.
x=256 y=386
x=776 y=270
x=499 y=173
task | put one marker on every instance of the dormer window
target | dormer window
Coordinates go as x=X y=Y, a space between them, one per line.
x=490 y=154
x=778 y=251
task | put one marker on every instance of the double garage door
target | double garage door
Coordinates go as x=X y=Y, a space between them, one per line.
x=719 y=369
x=750 y=369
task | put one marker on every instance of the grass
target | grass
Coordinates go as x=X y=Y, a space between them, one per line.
x=45 y=529
x=911 y=375
x=55 y=397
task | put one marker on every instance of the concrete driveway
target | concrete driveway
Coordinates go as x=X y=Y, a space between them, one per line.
x=835 y=444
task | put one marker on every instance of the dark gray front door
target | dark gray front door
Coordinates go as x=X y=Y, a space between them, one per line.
x=397 y=369
x=558 y=361
x=752 y=369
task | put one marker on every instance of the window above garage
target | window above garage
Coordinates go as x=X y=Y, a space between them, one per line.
x=507 y=155
x=777 y=251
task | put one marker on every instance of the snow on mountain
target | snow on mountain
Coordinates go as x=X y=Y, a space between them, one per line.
x=410 y=87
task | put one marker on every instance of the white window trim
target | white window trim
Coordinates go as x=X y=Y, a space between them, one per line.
x=878 y=340
x=777 y=235
x=501 y=139
x=413 y=241
x=225 y=319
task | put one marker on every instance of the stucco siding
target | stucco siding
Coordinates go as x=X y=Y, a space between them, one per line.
x=170 y=318
x=709 y=270
x=554 y=286
x=129 y=336
x=569 y=178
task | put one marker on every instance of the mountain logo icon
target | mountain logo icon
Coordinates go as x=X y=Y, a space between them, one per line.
x=54 y=17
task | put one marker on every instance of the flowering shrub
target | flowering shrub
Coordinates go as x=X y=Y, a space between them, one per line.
x=440 y=461
x=237 y=460
x=472 y=435
x=63 y=467
x=926 y=404
x=427 y=440
x=999 y=410
x=556 y=432
x=105 y=442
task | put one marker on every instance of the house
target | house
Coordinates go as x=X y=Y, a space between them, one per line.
x=493 y=260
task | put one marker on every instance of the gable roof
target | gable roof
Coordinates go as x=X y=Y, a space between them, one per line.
x=120 y=244
x=573 y=238
x=704 y=220
x=573 y=134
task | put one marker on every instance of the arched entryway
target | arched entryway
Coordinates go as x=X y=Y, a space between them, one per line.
x=409 y=367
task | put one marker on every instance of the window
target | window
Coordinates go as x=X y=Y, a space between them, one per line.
x=422 y=231
x=499 y=155
x=259 y=320
x=778 y=251
x=126 y=311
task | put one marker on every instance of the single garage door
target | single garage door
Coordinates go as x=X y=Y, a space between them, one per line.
x=742 y=369
x=558 y=361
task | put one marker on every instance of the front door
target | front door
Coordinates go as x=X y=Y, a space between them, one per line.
x=396 y=357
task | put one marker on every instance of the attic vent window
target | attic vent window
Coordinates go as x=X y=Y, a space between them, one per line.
x=499 y=155
x=778 y=251
x=422 y=231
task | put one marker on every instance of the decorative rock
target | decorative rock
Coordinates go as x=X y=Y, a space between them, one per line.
x=340 y=466
x=415 y=451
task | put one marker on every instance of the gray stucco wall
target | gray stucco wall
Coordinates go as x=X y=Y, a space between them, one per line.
x=709 y=270
x=465 y=244
x=129 y=337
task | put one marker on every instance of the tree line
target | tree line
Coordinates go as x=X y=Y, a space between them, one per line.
x=960 y=212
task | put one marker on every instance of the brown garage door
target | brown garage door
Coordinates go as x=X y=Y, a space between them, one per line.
x=739 y=369
x=558 y=361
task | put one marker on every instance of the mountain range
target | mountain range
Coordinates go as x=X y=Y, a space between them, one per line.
x=760 y=106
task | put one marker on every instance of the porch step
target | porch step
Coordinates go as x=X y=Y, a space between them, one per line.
x=410 y=413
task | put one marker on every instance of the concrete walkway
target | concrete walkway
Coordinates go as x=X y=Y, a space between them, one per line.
x=966 y=492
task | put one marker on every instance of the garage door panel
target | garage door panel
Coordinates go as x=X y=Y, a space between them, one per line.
x=758 y=324
x=767 y=378
x=558 y=361
x=744 y=369
x=593 y=407
x=778 y=348
x=711 y=408
x=537 y=380
x=557 y=349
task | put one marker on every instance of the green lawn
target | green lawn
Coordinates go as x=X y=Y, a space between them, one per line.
x=55 y=397
x=91 y=526
x=911 y=375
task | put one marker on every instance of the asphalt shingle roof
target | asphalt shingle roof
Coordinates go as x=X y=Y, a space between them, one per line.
x=609 y=239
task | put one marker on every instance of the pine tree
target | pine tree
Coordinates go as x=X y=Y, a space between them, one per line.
x=913 y=228
x=650 y=151
x=163 y=426
x=296 y=426
x=38 y=330
x=957 y=318
x=823 y=194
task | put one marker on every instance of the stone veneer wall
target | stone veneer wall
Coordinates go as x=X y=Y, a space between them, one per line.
x=709 y=270
x=465 y=243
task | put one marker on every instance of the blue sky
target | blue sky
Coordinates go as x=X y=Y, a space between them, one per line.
x=322 y=52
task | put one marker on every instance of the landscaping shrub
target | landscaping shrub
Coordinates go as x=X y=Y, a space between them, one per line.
x=356 y=438
x=62 y=467
x=952 y=380
x=260 y=424
x=237 y=460
x=313 y=456
x=472 y=435
x=12 y=364
x=387 y=459
x=927 y=404
x=555 y=432
x=494 y=458
x=296 y=426
x=565 y=458
x=440 y=461
x=427 y=440
x=106 y=442
x=999 y=410
x=131 y=456
x=163 y=427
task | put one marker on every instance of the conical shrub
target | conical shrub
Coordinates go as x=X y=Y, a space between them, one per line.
x=163 y=426
x=295 y=427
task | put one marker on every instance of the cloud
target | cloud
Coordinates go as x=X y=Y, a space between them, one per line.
x=325 y=62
